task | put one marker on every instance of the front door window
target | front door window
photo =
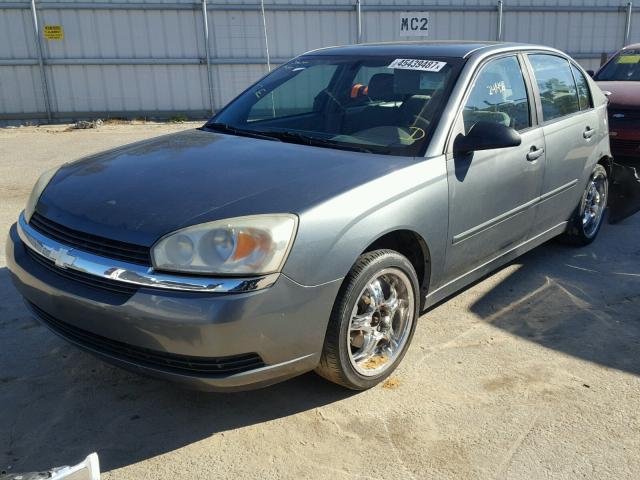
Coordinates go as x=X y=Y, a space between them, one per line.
x=499 y=95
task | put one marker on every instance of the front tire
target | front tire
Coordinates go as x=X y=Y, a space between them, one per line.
x=589 y=216
x=372 y=321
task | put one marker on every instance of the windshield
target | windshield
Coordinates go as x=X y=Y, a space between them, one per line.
x=377 y=104
x=624 y=67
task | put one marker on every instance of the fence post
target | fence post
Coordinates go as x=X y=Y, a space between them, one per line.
x=359 y=20
x=43 y=73
x=205 y=24
x=627 y=28
x=500 y=17
x=266 y=38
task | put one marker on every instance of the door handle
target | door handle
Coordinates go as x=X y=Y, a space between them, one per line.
x=588 y=133
x=535 y=153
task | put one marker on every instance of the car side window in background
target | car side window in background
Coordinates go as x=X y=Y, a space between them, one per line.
x=498 y=95
x=558 y=92
x=584 y=95
x=294 y=97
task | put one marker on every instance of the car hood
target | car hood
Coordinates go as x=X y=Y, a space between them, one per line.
x=623 y=94
x=143 y=191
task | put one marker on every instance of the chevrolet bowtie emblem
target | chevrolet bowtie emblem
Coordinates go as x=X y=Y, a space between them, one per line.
x=62 y=258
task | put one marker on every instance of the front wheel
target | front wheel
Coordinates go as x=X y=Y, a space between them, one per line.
x=372 y=321
x=588 y=218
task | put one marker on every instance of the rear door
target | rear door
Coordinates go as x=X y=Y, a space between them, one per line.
x=492 y=193
x=570 y=125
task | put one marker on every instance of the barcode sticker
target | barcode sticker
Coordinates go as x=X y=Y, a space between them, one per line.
x=416 y=64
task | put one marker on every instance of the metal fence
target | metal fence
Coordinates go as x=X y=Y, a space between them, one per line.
x=77 y=59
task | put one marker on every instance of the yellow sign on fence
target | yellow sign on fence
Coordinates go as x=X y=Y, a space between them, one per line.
x=53 y=32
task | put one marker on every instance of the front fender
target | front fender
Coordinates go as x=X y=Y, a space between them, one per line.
x=333 y=234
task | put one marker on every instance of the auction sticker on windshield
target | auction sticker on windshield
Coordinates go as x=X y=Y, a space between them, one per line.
x=416 y=64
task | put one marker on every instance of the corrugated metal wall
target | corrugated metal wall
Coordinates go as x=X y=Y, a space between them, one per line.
x=149 y=57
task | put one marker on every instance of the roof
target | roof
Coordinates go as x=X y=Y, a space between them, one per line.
x=460 y=49
x=634 y=46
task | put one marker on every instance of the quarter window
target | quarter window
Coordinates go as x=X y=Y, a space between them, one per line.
x=498 y=95
x=558 y=92
x=584 y=94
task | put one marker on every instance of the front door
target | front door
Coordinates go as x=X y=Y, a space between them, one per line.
x=492 y=193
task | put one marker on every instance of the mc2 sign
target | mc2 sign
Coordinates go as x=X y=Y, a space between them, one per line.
x=414 y=24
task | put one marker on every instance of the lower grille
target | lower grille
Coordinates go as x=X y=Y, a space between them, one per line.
x=168 y=362
x=83 y=278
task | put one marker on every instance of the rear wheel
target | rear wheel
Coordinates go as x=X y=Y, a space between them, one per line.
x=589 y=216
x=372 y=321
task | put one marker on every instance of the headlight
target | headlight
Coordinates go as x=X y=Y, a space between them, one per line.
x=253 y=245
x=38 y=188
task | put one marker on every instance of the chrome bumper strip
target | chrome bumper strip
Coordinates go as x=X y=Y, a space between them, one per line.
x=74 y=259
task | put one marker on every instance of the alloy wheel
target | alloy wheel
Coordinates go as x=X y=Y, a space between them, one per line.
x=594 y=205
x=380 y=322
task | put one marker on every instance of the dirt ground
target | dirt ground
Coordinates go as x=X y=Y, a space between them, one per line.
x=532 y=373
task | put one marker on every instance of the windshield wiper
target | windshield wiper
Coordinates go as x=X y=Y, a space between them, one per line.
x=289 y=136
x=295 y=137
x=226 y=128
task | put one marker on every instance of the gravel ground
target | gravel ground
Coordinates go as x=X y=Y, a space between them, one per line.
x=532 y=373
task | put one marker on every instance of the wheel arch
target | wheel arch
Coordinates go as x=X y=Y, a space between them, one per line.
x=410 y=244
x=607 y=163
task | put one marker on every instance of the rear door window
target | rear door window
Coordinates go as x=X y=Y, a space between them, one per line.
x=498 y=95
x=558 y=92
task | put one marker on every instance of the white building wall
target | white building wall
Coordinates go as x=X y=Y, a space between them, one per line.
x=148 y=57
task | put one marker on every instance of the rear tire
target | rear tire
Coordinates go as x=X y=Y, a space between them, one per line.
x=372 y=321
x=585 y=223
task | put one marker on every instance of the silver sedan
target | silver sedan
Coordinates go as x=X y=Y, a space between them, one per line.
x=308 y=223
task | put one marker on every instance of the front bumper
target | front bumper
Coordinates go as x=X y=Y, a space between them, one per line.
x=284 y=325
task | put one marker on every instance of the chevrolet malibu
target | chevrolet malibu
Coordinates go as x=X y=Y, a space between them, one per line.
x=307 y=224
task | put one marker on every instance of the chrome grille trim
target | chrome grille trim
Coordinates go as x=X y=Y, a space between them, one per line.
x=111 y=286
x=66 y=257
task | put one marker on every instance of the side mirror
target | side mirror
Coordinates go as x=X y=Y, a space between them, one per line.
x=486 y=136
x=591 y=73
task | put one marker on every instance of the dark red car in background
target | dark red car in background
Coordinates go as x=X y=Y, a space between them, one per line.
x=621 y=76
x=620 y=79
